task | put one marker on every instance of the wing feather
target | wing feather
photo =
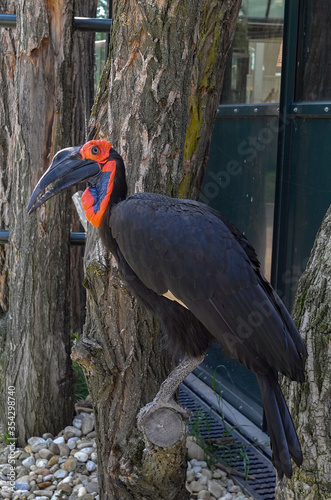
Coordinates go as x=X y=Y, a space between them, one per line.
x=188 y=249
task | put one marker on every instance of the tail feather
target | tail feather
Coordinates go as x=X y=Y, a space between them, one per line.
x=283 y=437
x=290 y=432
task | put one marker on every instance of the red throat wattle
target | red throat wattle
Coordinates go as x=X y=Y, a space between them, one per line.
x=95 y=199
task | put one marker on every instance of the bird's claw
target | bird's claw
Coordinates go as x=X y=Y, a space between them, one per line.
x=150 y=408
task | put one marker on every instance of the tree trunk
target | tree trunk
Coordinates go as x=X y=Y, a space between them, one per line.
x=156 y=103
x=83 y=61
x=310 y=402
x=38 y=90
x=7 y=85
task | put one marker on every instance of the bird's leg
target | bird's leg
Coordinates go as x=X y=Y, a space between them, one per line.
x=164 y=398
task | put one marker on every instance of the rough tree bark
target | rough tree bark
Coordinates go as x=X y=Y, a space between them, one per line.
x=38 y=113
x=7 y=57
x=156 y=104
x=83 y=61
x=310 y=402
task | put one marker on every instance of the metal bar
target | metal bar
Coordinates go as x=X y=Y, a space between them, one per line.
x=80 y=23
x=295 y=109
x=76 y=238
x=92 y=24
x=241 y=110
x=7 y=21
x=317 y=109
x=4 y=236
x=263 y=20
x=282 y=220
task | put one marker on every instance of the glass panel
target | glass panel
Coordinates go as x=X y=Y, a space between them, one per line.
x=314 y=63
x=232 y=382
x=254 y=67
x=240 y=183
x=309 y=197
x=240 y=177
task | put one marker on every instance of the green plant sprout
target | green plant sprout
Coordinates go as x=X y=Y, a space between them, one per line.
x=221 y=449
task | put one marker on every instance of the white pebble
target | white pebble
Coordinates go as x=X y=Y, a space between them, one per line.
x=82 y=491
x=45 y=453
x=6 y=492
x=219 y=473
x=195 y=487
x=41 y=462
x=66 y=479
x=203 y=495
x=77 y=422
x=88 y=424
x=60 y=474
x=59 y=440
x=203 y=480
x=202 y=463
x=194 y=451
x=81 y=456
x=206 y=472
x=190 y=475
x=36 y=440
x=88 y=451
x=73 y=429
x=56 y=495
x=215 y=488
x=90 y=466
x=83 y=444
x=43 y=494
x=28 y=462
x=49 y=477
x=72 y=443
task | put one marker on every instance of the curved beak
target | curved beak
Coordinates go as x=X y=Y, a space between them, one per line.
x=67 y=169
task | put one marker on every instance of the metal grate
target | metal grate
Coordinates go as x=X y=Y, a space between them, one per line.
x=214 y=426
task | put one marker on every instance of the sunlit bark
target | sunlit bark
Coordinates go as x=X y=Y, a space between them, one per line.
x=156 y=104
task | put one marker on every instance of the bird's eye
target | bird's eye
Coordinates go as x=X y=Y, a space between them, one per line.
x=95 y=150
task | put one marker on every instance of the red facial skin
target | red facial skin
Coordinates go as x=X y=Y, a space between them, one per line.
x=103 y=154
x=95 y=208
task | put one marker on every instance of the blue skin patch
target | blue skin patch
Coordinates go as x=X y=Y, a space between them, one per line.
x=99 y=190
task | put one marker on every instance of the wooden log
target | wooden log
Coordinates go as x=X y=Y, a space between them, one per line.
x=164 y=428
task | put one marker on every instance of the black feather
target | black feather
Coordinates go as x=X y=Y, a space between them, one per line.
x=185 y=247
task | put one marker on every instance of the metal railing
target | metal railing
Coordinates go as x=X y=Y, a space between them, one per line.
x=80 y=23
x=76 y=238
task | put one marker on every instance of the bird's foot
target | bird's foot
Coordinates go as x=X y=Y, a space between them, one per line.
x=157 y=404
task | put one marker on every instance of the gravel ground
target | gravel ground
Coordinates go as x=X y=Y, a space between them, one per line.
x=64 y=467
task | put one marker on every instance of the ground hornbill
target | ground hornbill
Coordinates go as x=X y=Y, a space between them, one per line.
x=198 y=273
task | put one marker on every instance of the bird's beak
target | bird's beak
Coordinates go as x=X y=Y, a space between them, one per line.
x=67 y=169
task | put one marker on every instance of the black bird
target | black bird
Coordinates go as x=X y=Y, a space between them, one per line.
x=198 y=273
